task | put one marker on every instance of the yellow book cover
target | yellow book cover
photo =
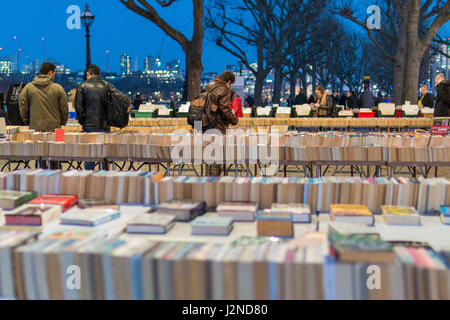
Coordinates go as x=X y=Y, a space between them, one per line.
x=398 y=210
x=350 y=210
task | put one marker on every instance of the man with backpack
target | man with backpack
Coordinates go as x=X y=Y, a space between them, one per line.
x=443 y=97
x=91 y=104
x=221 y=101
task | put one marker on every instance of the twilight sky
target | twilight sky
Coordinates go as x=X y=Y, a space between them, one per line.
x=115 y=29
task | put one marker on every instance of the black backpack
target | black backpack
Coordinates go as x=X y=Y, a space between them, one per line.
x=200 y=110
x=118 y=108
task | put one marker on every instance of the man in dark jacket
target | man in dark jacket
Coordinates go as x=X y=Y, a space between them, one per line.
x=300 y=99
x=220 y=101
x=43 y=103
x=91 y=104
x=367 y=98
x=443 y=97
x=427 y=100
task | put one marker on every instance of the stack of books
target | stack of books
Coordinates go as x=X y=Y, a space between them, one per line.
x=239 y=211
x=151 y=224
x=351 y=213
x=32 y=215
x=212 y=226
x=183 y=210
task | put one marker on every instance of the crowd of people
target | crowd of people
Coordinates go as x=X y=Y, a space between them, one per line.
x=43 y=104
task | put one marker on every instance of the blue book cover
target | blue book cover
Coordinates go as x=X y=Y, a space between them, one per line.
x=445 y=211
x=212 y=222
x=270 y=215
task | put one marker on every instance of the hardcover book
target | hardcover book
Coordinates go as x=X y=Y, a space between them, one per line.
x=212 y=226
x=89 y=217
x=183 y=210
x=32 y=215
x=239 y=211
x=66 y=202
x=400 y=215
x=151 y=224
x=360 y=247
x=12 y=199
x=351 y=213
x=301 y=213
x=271 y=223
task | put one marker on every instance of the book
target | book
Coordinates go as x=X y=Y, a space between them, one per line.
x=212 y=226
x=351 y=213
x=66 y=202
x=89 y=217
x=301 y=213
x=151 y=224
x=32 y=215
x=366 y=246
x=445 y=214
x=239 y=211
x=272 y=223
x=400 y=215
x=13 y=199
x=183 y=210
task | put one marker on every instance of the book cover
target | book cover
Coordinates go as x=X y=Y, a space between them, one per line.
x=66 y=202
x=89 y=217
x=32 y=215
x=13 y=199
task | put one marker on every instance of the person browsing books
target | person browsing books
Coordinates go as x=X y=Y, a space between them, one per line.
x=91 y=104
x=323 y=103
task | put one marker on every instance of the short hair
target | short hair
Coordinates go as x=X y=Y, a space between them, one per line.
x=424 y=86
x=93 y=70
x=47 y=67
x=441 y=76
x=228 y=76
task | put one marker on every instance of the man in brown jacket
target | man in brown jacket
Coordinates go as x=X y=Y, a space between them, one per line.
x=221 y=101
x=221 y=105
x=43 y=103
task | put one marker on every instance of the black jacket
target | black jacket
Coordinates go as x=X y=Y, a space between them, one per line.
x=300 y=99
x=428 y=100
x=90 y=104
x=442 y=100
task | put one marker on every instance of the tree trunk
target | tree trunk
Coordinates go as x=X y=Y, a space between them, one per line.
x=194 y=69
x=259 y=83
x=292 y=84
x=413 y=56
x=277 y=86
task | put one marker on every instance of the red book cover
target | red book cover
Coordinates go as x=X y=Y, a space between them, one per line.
x=66 y=202
x=59 y=135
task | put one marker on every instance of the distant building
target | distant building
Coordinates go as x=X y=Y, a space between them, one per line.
x=125 y=64
x=149 y=64
x=232 y=67
x=208 y=78
x=8 y=64
x=173 y=65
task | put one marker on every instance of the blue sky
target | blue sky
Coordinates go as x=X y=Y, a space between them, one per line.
x=116 y=29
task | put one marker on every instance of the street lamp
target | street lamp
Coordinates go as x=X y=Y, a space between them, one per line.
x=88 y=19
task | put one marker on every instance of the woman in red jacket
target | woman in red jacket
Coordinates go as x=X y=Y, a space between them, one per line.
x=236 y=104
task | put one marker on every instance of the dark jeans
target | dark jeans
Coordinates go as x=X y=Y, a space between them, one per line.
x=91 y=165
